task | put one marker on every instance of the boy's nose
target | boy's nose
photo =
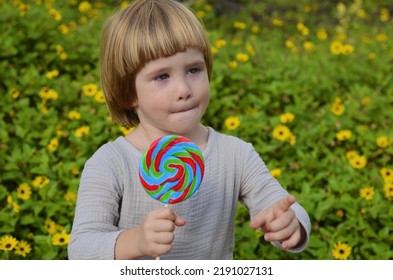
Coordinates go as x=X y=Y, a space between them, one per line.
x=183 y=90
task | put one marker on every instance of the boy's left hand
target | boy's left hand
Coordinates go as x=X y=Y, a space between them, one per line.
x=279 y=223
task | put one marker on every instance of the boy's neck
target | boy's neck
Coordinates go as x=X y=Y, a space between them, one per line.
x=141 y=138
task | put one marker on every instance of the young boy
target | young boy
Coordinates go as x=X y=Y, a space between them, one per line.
x=155 y=69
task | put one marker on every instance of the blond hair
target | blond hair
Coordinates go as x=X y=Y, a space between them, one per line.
x=144 y=31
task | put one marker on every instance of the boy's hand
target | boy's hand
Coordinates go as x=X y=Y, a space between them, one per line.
x=157 y=231
x=279 y=223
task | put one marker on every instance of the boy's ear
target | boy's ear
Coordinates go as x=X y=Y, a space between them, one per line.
x=134 y=104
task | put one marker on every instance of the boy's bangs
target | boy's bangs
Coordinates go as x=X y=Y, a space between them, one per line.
x=163 y=35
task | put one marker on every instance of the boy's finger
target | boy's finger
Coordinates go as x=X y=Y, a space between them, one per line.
x=285 y=203
x=165 y=213
x=259 y=220
x=180 y=221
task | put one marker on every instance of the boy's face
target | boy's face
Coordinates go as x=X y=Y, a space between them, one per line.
x=173 y=93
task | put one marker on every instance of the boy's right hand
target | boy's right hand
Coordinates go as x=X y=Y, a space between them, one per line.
x=157 y=231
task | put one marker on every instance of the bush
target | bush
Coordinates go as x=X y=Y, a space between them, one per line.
x=310 y=85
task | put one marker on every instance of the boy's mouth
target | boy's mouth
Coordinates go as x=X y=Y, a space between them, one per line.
x=185 y=109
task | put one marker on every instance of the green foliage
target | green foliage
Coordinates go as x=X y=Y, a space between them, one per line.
x=328 y=65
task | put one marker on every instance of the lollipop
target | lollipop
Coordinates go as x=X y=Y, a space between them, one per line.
x=171 y=169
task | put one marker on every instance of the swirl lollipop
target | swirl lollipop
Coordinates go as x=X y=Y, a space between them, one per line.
x=171 y=169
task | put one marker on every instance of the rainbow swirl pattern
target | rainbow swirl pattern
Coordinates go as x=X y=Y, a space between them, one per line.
x=171 y=169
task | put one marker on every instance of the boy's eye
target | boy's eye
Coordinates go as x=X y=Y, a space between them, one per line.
x=161 y=77
x=194 y=70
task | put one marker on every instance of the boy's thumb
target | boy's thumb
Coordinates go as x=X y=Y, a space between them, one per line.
x=180 y=221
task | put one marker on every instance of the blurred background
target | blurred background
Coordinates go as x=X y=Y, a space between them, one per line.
x=309 y=83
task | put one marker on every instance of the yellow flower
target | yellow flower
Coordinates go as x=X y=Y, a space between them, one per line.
x=15 y=207
x=250 y=49
x=281 y=132
x=276 y=173
x=221 y=43
x=75 y=171
x=383 y=141
x=63 y=56
x=347 y=49
x=90 y=89
x=22 y=248
x=15 y=93
x=60 y=239
x=232 y=123
x=308 y=46
x=361 y=13
x=10 y=200
x=52 y=74
x=381 y=37
x=126 y=130
x=93 y=13
x=277 y=22
x=340 y=213
x=24 y=191
x=290 y=45
x=233 y=64
x=292 y=139
x=384 y=15
x=84 y=7
x=372 y=56
x=239 y=25
x=302 y=29
x=287 y=118
x=55 y=14
x=337 y=107
x=8 y=243
x=99 y=97
x=61 y=133
x=40 y=181
x=358 y=162
x=82 y=131
x=123 y=5
x=242 y=57
x=52 y=95
x=388 y=189
x=322 y=34
x=74 y=115
x=70 y=196
x=336 y=47
x=255 y=29
x=50 y=226
x=48 y=94
x=367 y=193
x=201 y=14
x=64 y=29
x=387 y=174
x=343 y=135
x=341 y=251
x=351 y=155
x=341 y=9
x=59 y=49
x=53 y=144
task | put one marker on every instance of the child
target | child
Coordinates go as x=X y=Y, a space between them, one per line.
x=155 y=69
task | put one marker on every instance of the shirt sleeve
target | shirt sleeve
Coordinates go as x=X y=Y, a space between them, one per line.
x=95 y=229
x=260 y=190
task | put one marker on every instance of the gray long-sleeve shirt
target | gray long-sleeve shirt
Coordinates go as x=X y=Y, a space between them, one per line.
x=111 y=199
